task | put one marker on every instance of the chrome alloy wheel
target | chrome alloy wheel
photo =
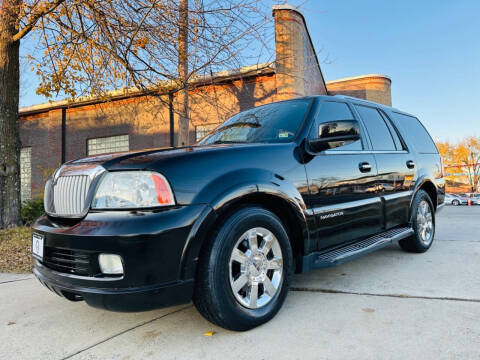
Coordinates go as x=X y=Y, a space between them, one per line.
x=256 y=268
x=425 y=222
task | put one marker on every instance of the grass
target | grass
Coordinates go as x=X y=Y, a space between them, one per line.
x=15 y=250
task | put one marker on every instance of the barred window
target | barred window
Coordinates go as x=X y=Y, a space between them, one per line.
x=202 y=130
x=107 y=145
x=26 y=174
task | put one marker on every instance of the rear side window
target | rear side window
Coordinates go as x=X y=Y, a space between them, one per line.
x=377 y=128
x=393 y=131
x=415 y=134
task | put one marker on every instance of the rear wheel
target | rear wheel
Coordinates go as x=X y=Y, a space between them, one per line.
x=423 y=222
x=244 y=271
x=456 y=202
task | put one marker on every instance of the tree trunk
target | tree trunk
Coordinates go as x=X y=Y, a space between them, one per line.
x=9 y=134
x=183 y=121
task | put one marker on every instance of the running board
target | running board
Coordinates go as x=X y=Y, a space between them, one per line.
x=319 y=260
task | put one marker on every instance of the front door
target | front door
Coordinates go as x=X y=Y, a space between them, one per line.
x=342 y=182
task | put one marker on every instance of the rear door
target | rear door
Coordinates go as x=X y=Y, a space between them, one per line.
x=428 y=160
x=396 y=166
x=342 y=184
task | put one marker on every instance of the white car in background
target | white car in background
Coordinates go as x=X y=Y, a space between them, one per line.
x=475 y=200
x=456 y=200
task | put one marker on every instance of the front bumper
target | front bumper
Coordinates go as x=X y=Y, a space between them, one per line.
x=151 y=244
x=124 y=300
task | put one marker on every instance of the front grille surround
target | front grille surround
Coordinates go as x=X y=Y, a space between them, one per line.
x=69 y=192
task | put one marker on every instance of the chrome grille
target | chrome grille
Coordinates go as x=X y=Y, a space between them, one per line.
x=69 y=194
x=67 y=191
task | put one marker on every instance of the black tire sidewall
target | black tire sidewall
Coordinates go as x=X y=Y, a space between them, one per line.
x=229 y=309
x=422 y=195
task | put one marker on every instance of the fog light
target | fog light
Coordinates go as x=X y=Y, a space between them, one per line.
x=110 y=264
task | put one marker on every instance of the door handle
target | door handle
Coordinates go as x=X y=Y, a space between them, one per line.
x=410 y=164
x=365 y=167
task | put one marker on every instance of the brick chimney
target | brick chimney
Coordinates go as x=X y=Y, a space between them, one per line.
x=298 y=71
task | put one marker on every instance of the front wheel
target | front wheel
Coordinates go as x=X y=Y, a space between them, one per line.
x=244 y=271
x=423 y=223
x=456 y=202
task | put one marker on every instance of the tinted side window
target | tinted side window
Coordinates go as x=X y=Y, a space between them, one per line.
x=376 y=127
x=415 y=134
x=333 y=111
x=393 y=131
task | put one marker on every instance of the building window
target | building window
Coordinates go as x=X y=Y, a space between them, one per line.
x=107 y=145
x=26 y=174
x=202 y=130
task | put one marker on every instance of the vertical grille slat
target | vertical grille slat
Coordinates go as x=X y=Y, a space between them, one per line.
x=72 y=191
x=77 y=187
x=83 y=190
x=58 y=197
x=79 y=192
x=69 y=194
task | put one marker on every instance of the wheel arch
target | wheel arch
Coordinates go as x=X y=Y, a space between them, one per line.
x=267 y=196
x=426 y=184
x=289 y=214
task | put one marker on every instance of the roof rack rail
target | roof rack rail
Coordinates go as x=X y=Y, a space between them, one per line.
x=359 y=99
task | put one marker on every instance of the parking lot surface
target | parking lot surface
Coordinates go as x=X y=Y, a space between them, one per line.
x=386 y=305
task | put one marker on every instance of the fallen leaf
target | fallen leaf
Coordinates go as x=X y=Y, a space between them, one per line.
x=10 y=323
x=15 y=253
x=209 y=333
x=368 y=310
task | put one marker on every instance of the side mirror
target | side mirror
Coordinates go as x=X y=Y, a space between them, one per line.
x=334 y=134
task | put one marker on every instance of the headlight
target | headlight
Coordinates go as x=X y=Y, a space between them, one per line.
x=132 y=189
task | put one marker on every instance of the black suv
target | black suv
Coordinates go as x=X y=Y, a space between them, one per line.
x=285 y=187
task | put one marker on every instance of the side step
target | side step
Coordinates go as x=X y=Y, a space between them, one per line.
x=319 y=260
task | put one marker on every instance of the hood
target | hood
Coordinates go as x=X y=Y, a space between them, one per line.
x=142 y=158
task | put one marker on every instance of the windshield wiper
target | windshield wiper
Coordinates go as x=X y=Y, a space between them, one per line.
x=239 y=124
x=228 y=142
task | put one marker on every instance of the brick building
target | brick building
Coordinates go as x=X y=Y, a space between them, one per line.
x=56 y=132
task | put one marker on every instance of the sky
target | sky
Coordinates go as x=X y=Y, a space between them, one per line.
x=430 y=49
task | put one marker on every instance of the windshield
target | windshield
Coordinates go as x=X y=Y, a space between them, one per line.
x=272 y=123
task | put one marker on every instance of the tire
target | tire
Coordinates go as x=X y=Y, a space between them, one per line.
x=456 y=202
x=423 y=223
x=220 y=272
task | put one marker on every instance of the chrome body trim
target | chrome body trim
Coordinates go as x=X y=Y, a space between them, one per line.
x=342 y=206
x=397 y=195
x=354 y=152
